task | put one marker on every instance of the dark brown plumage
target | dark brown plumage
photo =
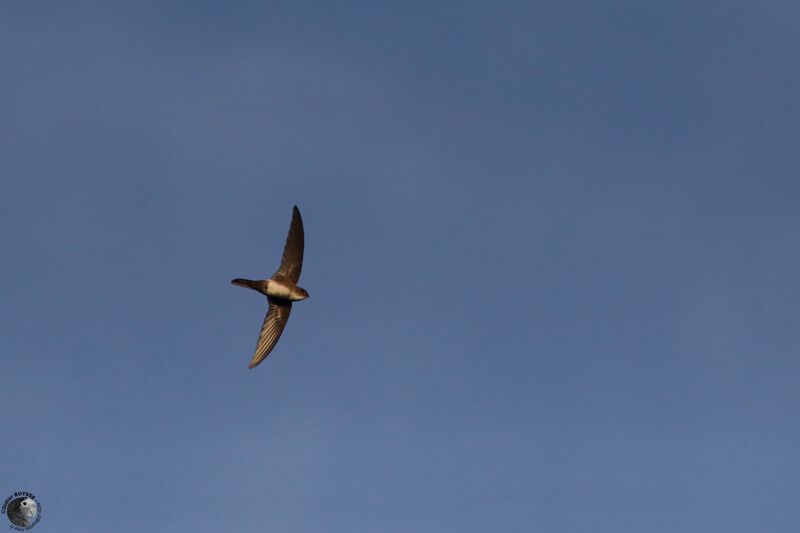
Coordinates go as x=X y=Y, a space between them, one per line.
x=281 y=289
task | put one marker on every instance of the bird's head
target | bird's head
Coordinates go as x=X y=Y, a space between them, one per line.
x=28 y=507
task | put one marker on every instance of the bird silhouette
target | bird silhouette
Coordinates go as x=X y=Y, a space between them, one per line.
x=281 y=289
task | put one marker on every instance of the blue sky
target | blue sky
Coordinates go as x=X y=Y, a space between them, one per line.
x=551 y=249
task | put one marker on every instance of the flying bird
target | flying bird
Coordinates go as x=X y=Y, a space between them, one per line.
x=281 y=290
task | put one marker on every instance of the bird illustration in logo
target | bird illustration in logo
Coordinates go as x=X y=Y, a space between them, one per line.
x=281 y=290
x=21 y=511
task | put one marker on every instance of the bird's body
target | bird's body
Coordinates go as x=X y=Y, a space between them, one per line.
x=277 y=288
x=281 y=289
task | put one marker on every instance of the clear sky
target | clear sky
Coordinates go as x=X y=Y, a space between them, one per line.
x=552 y=250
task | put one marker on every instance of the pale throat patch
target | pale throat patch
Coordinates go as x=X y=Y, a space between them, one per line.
x=278 y=290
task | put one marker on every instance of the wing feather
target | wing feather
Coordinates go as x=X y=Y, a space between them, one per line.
x=292 y=260
x=274 y=322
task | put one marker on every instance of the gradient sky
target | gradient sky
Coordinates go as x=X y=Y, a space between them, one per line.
x=552 y=250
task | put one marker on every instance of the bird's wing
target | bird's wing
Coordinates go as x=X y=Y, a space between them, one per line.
x=292 y=260
x=274 y=322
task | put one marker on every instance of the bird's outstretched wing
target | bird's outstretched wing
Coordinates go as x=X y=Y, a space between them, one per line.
x=274 y=322
x=292 y=260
